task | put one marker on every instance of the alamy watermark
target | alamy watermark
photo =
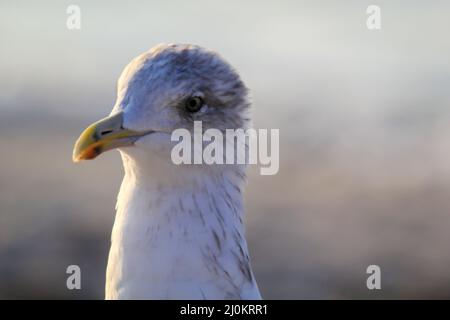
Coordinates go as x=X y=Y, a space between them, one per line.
x=373 y=21
x=73 y=21
x=236 y=146
x=73 y=281
x=374 y=280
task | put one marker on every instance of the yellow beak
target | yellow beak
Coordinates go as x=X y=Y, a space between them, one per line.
x=104 y=135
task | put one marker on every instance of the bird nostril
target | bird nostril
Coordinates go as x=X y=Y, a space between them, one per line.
x=105 y=132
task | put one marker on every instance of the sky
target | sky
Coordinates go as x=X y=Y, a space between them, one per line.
x=288 y=52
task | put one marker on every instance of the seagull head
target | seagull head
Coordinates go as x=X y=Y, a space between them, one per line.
x=164 y=89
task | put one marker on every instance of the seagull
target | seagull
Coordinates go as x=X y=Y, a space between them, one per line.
x=179 y=230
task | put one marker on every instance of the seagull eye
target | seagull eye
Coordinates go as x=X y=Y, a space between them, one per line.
x=194 y=104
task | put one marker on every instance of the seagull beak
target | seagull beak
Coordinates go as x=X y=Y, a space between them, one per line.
x=103 y=135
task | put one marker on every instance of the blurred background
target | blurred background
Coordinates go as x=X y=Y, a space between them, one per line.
x=364 y=119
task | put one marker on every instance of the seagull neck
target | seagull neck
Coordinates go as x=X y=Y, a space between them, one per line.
x=181 y=235
x=203 y=198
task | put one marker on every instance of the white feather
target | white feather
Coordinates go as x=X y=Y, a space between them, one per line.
x=179 y=236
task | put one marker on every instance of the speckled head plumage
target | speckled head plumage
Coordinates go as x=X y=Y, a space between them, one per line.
x=161 y=80
x=153 y=92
